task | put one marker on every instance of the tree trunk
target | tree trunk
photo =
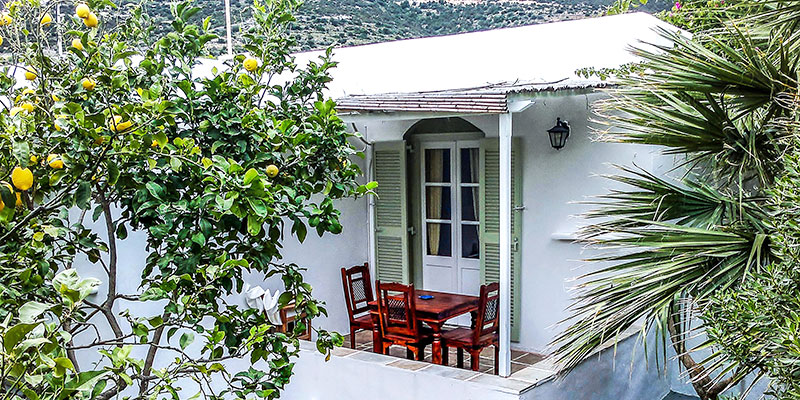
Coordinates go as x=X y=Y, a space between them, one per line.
x=701 y=381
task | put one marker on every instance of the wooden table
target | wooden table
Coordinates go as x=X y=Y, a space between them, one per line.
x=434 y=312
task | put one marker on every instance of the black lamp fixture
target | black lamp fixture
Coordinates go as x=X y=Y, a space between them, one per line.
x=559 y=134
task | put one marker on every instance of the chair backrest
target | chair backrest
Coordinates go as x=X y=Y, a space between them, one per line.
x=396 y=309
x=357 y=290
x=488 y=318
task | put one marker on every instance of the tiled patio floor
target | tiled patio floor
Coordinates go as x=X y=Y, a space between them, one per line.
x=519 y=359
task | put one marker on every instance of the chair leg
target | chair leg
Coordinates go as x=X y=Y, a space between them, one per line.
x=460 y=357
x=421 y=354
x=497 y=358
x=445 y=355
x=410 y=354
x=475 y=359
x=352 y=337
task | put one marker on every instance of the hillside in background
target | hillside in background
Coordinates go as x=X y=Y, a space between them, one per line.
x=322 y=23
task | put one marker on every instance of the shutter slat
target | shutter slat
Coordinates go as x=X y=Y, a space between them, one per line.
x=490 y=221
x=391 y=220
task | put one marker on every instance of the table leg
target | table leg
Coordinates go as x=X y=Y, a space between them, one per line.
x=377 y=341
x=436 y=347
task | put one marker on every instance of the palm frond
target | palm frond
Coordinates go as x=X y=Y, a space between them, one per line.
x=651 y=198
x=660 y=263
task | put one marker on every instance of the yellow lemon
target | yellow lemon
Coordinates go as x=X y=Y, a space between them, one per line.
x=56 y=126
x=29 y=74
x=54 y=161
x=54 y=97
x=118 y=125
x=28 y=91
x=88 y=84
x=250 y=64
x=76 y=43
x=46 y=19
x=82 y=10
x=22 y=178
x=5 y=19
x=15 y=110
x=154 y=144
x=1 y=41
x=91 y=20
x=272 y=170
x=27 y=106
x=34 y=159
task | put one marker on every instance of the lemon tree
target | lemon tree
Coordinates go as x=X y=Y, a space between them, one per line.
x=106 y=132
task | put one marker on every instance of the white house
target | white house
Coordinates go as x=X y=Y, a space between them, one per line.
x=455 y=129
x=471 y=191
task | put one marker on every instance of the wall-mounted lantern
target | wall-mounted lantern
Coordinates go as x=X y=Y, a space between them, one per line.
x=559 y=134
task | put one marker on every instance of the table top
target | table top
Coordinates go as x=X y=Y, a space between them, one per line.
x=442 y=306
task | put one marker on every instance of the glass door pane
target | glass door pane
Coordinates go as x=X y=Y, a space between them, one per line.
x=469 y=202
x=470 y=243
x=438 y=203
x=439 y=239
x=437 y=165
x=437 y=200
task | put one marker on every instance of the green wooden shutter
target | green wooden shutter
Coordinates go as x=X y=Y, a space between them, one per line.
x=391 y=215
x=490 y=220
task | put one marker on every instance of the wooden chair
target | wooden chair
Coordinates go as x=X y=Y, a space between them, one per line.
x=398 y=319
x=357 y=294
x=484 y=333
x=289 y=320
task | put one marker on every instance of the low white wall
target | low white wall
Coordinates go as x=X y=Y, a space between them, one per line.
x=364 y=375
x=620 y=373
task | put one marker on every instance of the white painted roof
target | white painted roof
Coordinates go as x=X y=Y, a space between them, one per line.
x=535 y=53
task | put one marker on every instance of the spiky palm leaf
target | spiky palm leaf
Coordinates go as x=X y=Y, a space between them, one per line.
x=659 y=262
x=778 y=18
x=650 y=198
x=717 y=104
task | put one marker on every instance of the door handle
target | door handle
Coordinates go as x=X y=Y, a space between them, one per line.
x=515 y=245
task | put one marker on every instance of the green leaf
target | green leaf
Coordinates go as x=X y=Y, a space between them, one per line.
x=155 y=190
x=299 y=228
x=199 y=238
x=186 y=339
x=83 y=194
x=175 y=163
x=113 y=173
x=8 y=197
x=161 y=138
x=122 y=231
x=250 y=175
x=15 y=335
x=22 y=152
x=254 y=225
x=31 y=311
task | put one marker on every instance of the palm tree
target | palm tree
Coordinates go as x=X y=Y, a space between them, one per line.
x=723 y=103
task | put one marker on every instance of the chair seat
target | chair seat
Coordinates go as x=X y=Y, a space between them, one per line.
x=464 y=336
x=425 y=336
x=363 y=322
